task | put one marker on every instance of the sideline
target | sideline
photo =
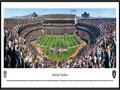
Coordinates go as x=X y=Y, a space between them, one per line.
x=80 y=47
x=39 y=49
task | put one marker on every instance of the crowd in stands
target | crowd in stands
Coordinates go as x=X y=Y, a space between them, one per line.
x=13 y=25
x=57 y=21
x=84 y=36
x=59 y=24
x=35 y=34
x=16 y=50
x=102 y=55
x=95 y=32
x=59 y=16
x=59 y=30
x=100 y=23
x=19 y=53
x=29 y=29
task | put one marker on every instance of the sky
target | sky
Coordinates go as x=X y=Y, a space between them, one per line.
x=94 y=12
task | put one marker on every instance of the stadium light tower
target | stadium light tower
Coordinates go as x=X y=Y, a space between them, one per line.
x=73 y=11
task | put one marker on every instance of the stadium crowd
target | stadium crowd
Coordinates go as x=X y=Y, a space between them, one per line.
x=63 y=16
x=29 y=29
x=102 y=55
x=19 y=53
x=16 y=50
x=59 y=30
x=35 y=34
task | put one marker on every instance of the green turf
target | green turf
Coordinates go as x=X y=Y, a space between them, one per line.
x=59 y=42
x=63 y=56
x=66 y=41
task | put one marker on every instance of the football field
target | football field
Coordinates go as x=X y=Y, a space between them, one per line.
x=69 y=42
x=59 y=41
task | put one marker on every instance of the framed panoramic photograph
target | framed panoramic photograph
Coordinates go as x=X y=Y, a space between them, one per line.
x=60 y=44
